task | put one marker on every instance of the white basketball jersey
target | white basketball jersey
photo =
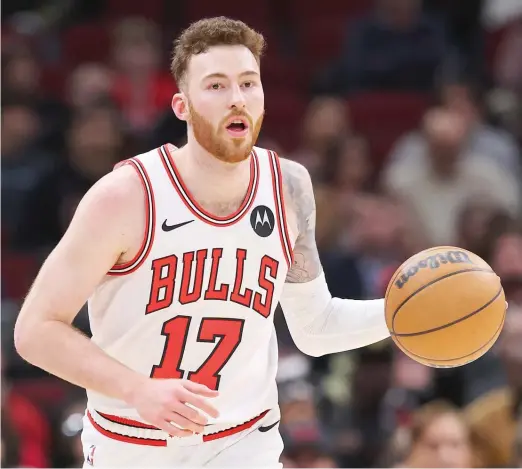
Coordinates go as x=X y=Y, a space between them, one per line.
x=198 y=300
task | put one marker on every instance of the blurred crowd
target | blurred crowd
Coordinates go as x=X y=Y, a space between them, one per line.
x=408 y=115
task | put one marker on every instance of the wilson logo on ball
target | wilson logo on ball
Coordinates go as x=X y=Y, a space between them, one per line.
x=434 y=262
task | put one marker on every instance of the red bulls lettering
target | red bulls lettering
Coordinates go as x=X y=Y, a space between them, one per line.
x=189 y=272
x=245 y=298
x=267 y=264
x=212 y=292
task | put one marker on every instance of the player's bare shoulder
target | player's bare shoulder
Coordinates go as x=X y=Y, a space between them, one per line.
x=300 y=207
x=119 y=200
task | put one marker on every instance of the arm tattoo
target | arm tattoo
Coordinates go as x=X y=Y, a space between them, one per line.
x=299 y=195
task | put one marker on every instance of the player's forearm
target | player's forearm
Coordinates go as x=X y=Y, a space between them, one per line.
x=320 y=324
x=63 y=351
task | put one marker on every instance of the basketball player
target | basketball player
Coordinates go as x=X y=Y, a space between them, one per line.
x=183 y=255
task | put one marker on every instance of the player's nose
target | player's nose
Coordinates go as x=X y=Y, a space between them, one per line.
x=237 y=98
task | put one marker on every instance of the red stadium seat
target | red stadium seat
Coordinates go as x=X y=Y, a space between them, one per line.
x=151 y=9
x=285 y=109
x=255 y=14
x=54 y=80
x=320 y=40
x=86 y=43
x=18 y=272
x=276 y=70
x=384 y=116
x=329 y=8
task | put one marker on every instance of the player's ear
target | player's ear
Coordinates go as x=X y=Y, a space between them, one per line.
x=180 y=106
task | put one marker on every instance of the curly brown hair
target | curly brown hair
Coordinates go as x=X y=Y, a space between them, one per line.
x=208 y=32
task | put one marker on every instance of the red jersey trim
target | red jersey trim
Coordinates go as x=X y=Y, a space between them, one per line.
x=277 y=183
x=148 y=235
x=195 y=208
x=162 y=442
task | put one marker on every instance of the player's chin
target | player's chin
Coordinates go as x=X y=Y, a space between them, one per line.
x=239 y=150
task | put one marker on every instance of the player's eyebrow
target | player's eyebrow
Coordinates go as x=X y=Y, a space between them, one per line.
x=223 y=75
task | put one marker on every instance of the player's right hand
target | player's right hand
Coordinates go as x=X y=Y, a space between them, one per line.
x=163 y=403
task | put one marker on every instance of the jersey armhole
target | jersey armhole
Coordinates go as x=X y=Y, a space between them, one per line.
x=277 y=183
x=150 y=209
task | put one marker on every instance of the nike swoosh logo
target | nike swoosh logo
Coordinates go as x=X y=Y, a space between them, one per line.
x=166 y=227
x=268 y=427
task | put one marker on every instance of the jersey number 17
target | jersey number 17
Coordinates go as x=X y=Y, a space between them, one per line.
x=229 y=333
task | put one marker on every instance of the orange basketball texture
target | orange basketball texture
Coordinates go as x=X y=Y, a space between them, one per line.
x=445 y=307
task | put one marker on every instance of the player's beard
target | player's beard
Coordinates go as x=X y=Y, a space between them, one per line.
x=218 y=143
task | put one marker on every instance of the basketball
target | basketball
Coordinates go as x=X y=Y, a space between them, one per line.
x=445 y=307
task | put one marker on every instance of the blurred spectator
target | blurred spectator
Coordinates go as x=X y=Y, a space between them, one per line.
x=304 y=448
x=95 y=144
x=26 y=434
x=297 y=401
x=464 y=35
x=71 y=425
x=493 y=416
x=10 y=445
x=300 y=428
x=348 y=173
x=395 y=47
x=353 y=170
x=141 y=87
x=439 y=183
x=89 y=84
x=21 y=81
x=20 y=72
x=439 y=438
x=517 y=450
x=508 y=67
x=474 y=222
x=23 y=160
x=506 y=260
x=497 y=14
x=325 y=126
x=466 y=100
x=480 y=139
x=358 y=435
x=375 y=235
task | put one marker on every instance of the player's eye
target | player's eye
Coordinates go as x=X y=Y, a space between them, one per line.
x=248 y=84
x=215 y=86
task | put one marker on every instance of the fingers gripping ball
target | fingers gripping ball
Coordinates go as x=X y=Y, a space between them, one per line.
x=445 y=307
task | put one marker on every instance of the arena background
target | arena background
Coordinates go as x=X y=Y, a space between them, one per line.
x=408 y=116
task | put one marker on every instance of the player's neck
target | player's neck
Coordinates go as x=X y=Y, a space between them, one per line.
x=200 y=169
x=204 y=162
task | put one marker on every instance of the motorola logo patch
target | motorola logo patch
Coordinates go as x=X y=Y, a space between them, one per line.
x=262 y=220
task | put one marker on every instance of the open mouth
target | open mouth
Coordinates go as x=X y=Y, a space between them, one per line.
x=237 y=128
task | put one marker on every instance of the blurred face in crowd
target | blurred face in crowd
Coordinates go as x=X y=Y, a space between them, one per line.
x=311 y=457
x=518 y=443
x=399 y=13
x=458 y=98
x=20 y=127
x=138 y=56
x=298 y=411
x=445 y=132
x=474 y=224
x=510 y=346
x=354 y=166
x=137 y=47
x=507 y=263
x=89 y=83
x=94 y=142
x=223 y=101
x=325 y=120
x=21 y=74
x=443 y=443
x=377 y=225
